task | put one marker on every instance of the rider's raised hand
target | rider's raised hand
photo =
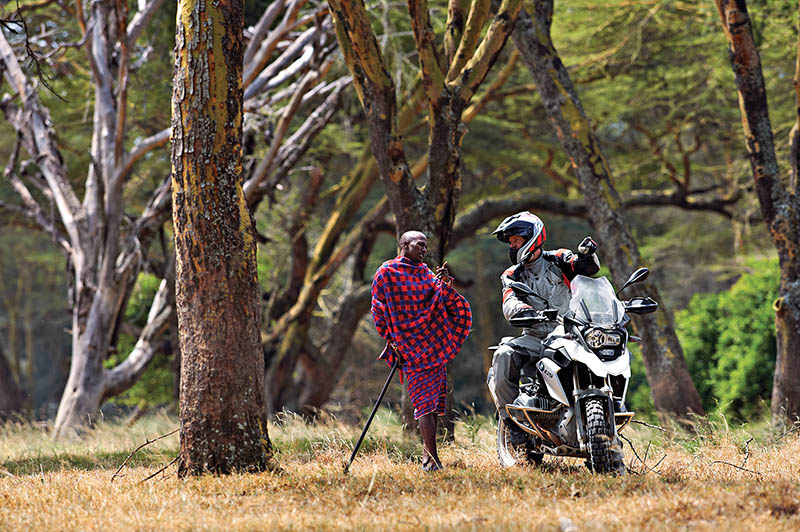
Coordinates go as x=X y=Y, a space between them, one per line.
x=587 y=246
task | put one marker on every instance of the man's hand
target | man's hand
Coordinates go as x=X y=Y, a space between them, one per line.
x=444 y=274
x=587 y=246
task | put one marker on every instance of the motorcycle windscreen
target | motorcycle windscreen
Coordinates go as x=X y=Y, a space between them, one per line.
x=594 y=301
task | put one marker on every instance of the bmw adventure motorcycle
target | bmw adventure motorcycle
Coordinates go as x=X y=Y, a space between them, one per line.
x=572 y=395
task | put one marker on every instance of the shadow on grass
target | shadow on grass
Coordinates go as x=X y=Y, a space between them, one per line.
x=307 y=449
x=35 y=465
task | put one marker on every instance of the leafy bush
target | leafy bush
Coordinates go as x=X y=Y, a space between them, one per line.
x=728 y=340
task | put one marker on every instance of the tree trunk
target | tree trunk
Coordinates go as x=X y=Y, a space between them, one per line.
x=222 y=405
x=10 y=394
x=779 y=206
x=667 y=372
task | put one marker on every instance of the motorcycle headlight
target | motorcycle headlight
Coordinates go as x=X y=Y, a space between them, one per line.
x=598 y=338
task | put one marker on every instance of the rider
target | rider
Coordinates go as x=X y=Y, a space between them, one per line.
x=548 y=274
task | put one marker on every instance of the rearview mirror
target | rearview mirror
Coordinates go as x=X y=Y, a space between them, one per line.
x=637 y=276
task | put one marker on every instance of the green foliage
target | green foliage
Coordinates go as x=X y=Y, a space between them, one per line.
x=728 y=339
x=729 y=342
x=156 y=384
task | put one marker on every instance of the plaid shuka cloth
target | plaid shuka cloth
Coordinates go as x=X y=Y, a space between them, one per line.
x=427 y=389
x=421 y=317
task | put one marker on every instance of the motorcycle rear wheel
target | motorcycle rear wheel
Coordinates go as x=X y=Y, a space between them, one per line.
x=605 y=454
x=511 y=455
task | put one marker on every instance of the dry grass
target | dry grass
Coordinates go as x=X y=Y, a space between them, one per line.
x=718 y=481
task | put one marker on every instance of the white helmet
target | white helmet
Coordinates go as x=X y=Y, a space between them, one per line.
x=526 y=225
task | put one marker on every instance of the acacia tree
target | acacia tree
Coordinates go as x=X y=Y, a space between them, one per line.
x=779 y=198
x=449 y=81
x=672 y=388
x=105 y=245
x=222 y=411
x=10 y=393
x=321 y=361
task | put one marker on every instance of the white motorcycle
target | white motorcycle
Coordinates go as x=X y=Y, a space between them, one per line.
x=572 y=395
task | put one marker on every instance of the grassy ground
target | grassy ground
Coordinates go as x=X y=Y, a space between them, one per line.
x=724 y=479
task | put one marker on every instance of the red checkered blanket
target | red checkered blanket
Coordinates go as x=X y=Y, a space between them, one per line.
x=421 y=317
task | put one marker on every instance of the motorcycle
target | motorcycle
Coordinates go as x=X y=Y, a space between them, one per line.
x=572 y=394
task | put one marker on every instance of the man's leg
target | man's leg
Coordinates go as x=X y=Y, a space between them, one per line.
x=427 y=427
x=506 y=365
x=428 y=392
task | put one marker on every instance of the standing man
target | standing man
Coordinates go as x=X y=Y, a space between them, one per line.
x=424 y=322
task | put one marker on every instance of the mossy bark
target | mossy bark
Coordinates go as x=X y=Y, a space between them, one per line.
x=222 y=406
x=780 y=205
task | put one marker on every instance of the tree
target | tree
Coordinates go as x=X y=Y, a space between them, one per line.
x=222 y=410
x=105 y=240
x=778 y=198
x=671 y=385
x=10 y=394
x=449 y=81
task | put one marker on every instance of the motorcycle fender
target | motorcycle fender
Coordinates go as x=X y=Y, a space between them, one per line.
x=549 y=371
x=619 y=366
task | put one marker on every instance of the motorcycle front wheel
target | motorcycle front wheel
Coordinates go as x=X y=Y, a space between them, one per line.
x=510 y=455
x=605 y=454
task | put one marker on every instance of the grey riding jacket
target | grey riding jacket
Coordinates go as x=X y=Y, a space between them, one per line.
x=549 y=277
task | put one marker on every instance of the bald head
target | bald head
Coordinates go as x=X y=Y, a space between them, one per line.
x=413 y=245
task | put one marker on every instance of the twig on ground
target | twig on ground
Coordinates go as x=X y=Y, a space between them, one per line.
x=735 y=466
x=746 y=457
x=746 y=451
x=794 y=428
x=160 y=470
x=662 y=429
x=145 y=444
x=639 y=458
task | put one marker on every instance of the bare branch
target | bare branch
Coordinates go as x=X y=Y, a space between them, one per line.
x=478 y=13
x=124 y=375
x=432 y=75
x=262 y=29
x=140 y=149
x=145 y=444
x=265 y=165
x=456 y=15
x=256 y=80
x=140 y=20
x=38 y=139
x=31 y=209
x=484 y=57
x=298 y=143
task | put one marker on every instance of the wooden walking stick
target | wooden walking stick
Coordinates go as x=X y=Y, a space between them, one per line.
x=372 y=415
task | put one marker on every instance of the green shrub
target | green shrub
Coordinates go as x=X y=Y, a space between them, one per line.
x=728 y=340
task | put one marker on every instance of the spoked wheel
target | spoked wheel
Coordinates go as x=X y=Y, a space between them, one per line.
x=510 y=454
x=605 y=454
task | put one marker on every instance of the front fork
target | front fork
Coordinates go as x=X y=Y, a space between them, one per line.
x=580 y=396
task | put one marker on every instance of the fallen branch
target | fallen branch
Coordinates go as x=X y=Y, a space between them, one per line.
x=662 y=429
x=145 y=444
x=735 y=466
x=644 y=463
x=160 y=470
x=746 y=457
